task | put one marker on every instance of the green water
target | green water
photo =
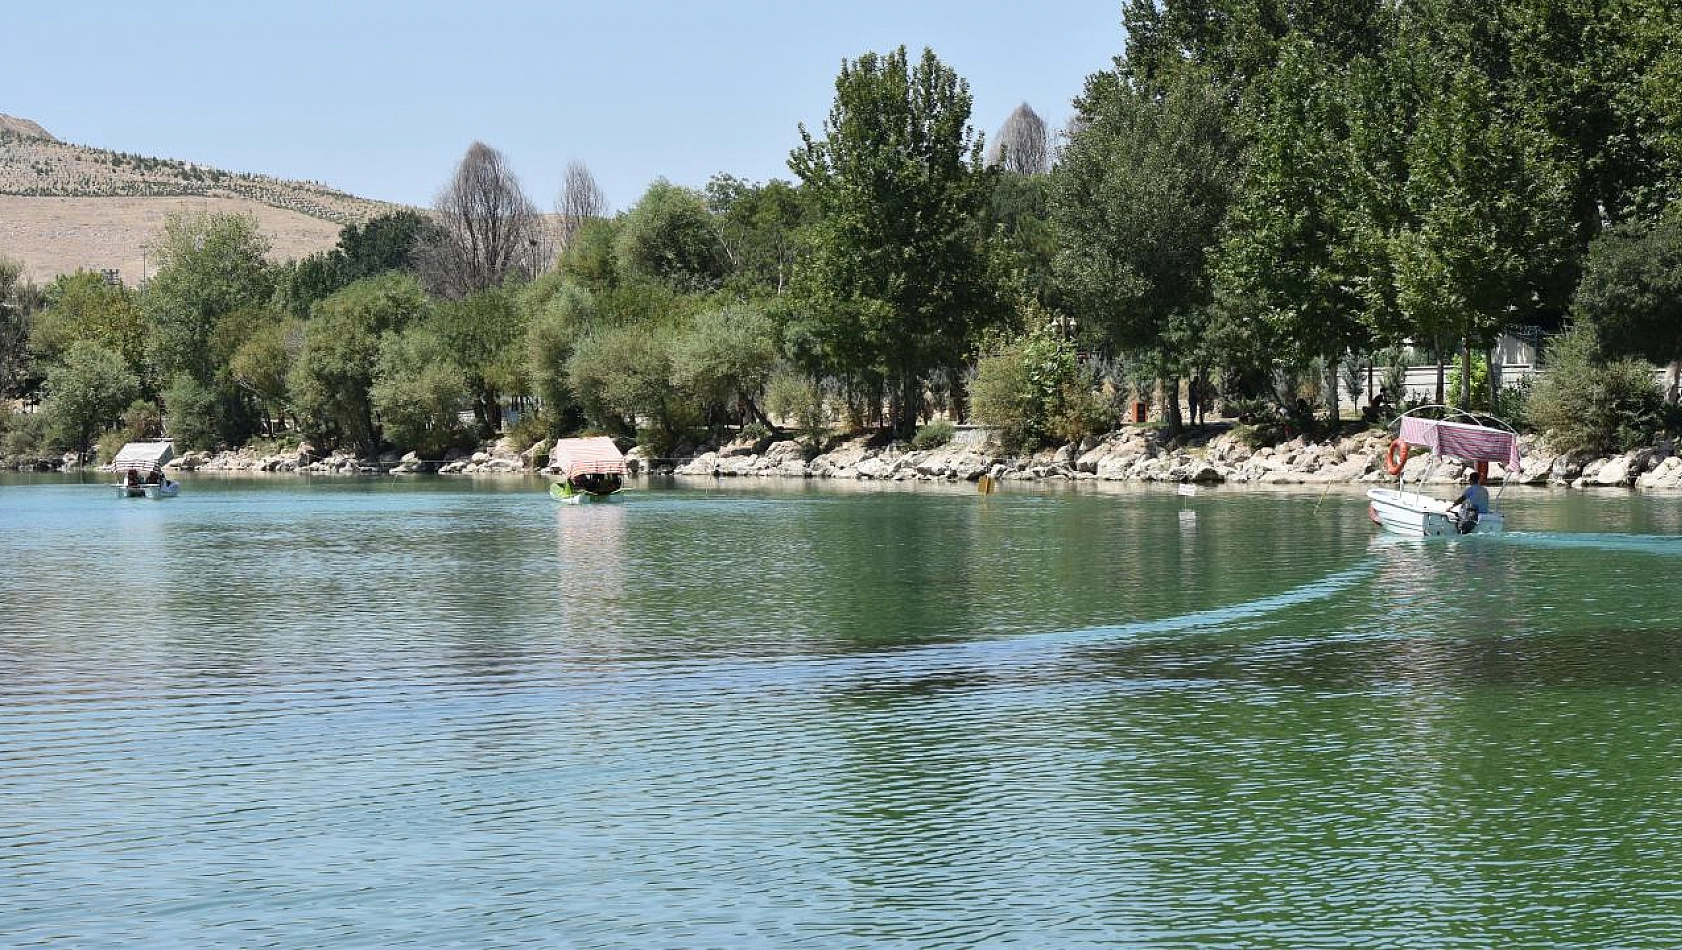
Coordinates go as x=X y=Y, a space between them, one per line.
x=387 y=713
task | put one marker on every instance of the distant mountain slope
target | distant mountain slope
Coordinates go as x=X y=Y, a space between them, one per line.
x=64 y=207
x=23 y=128
x=53 y=236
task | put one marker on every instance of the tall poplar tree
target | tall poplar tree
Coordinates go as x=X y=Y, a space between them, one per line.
x=1139 y=200
x=896 y=277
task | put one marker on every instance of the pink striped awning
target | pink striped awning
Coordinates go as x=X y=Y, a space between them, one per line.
x=1462 y=440
x=593 y=456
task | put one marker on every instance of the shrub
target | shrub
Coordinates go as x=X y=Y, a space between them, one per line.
x=934 y=435
x=1083 y=411
x=1585 y=405
x=792 y=396
x=25 y=436
x=1032 y=390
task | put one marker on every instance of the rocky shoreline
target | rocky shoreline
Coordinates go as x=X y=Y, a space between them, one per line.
x=1211 y=457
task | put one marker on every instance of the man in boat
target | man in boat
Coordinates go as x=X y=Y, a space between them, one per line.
x=1472 y=504
x=132 y=479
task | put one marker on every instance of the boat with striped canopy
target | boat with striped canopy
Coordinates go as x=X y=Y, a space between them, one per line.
x=590 y=469
x=1461 y=437
x=142 y=467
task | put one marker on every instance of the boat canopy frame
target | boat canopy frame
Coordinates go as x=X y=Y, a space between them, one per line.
x=1462 y=434
x=595 y=455
x=147 y=458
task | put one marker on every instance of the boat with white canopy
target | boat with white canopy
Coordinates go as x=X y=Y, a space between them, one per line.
x=591 y=469
x=141 y=465
x=1462 y=437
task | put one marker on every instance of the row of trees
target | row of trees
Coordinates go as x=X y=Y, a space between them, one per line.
x=1254 y=191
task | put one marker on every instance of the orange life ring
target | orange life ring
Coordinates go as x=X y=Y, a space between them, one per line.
x=1397 y=457
x=1483 y=471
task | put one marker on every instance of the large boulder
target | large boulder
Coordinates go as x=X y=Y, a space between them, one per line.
x=1610 y=473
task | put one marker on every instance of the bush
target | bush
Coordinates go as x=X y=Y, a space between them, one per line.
x=1585 y=405
x=1032 y=390
x=1480 y=386
x=791 y=396
x=1083 y=412
x=934 y=435
x=25 y=436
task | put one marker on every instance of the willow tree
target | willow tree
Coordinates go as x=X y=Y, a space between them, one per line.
x=896 y=278
x=487 y=229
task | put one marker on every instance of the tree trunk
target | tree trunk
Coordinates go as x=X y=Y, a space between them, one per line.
x=1171 y=404
x=1466 y=373
x=1492 y=372
x=759 y=414
x=1437 y=351
x=1675 y=381
x=1333 y=409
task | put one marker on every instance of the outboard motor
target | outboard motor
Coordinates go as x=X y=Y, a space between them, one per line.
x=1467 y=521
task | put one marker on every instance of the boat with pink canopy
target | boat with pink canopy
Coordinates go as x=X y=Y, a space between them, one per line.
x=591 y=469
x=1459 y=437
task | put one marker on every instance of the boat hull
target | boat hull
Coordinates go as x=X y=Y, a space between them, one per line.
x=150 y=490
x=566 y=494
x=1420 y=516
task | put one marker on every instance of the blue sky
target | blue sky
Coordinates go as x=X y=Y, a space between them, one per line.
x=382 y=98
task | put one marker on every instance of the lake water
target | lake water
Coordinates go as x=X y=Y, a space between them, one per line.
x=317 y=713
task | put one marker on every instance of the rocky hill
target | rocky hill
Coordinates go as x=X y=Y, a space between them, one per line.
x=65 y=206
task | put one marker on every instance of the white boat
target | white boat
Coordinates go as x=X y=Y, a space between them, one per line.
x=1464 y=438
x=591 y=469
x=141 y=465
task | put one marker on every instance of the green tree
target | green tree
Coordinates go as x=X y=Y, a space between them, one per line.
x=623 y=375
x=260 y=365
x=18 y=302
x=190 y=413
x=1489 y=213
x=588 y=256
x=82 y=306
x=758 y=229
x=556 y=320
x=330 y=379
x=1631 y=293
x=669 y=236
x=86 y=392
x=896 y=277
x=1289 y=259
x=419 y=391
x=385 y=242
x=209 y=265
x=485 y=333
x=1139 y=200
x=725 y=358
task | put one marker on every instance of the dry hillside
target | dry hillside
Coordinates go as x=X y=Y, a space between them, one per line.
x=64 y=207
